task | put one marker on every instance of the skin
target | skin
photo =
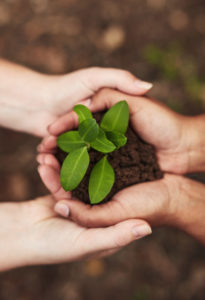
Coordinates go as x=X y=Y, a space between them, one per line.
x=172 y=201
x=30 y=102
x=40 y=236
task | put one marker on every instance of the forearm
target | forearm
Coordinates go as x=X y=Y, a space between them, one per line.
x=188 y=209
x=20 y=92
x=11 y=236
x=195 y=143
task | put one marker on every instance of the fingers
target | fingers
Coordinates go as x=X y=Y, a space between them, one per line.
x=106 y=98
x=97 y=78
x=116 y=236
x=166 y=128
x=66 y=122
x=48 y=159
x=48 y=144
x=150 y=201
x=93 y=216
x=102 y=101
x=50 y=177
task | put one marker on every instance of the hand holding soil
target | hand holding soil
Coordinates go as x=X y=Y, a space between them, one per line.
x=34 y=234
x=178 y=141
x=29 y=102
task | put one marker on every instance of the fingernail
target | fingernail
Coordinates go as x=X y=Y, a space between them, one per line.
x=62 y=209
x=144 y=85
x=141 y=231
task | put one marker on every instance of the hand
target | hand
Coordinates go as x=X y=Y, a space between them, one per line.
x=32 y=233
x=172 y=201
x=156 y=202
x=143 y=112
x=30 y=101
x=179 y=140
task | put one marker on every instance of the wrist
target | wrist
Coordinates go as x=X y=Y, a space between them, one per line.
x=194 y=139
x=188 y=207
x=173 y=187
x=13 y=252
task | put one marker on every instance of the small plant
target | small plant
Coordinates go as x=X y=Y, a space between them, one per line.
x=105 y=138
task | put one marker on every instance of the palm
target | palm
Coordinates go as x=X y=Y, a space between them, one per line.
x=149 y=201
x=61 y=93
x=54 y=233
x=157 y=125
x=154 y=122
x=162 y=128
x=57 y=240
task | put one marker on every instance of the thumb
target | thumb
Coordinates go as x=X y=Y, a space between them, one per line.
x=116 y=236
x=96 y=78
x=91 y=215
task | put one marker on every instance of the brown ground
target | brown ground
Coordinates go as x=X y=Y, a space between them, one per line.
x=158 y=40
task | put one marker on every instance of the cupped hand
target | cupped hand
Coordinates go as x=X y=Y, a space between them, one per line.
x=153 y=201
x=31 y=101
x=34 y=234
x=174 y=201
x=154 y=122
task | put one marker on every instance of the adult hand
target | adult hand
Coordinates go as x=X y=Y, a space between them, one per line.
x=30 y=101
x=174 y=138
x=172 y=201
x=32 y=233
x=179 y=140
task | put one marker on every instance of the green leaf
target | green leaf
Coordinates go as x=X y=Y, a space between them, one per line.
x=117 y=138
x=88 y=130
x=70 y=141
x=83 y=112
x=101 y=180
x=116 y=118
x=74 y=168
x=102 y=144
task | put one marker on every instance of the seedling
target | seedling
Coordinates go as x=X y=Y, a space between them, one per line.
x=106 y=137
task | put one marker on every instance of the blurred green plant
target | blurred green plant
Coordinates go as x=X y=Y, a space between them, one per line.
x=175 y=66
x=141 y=294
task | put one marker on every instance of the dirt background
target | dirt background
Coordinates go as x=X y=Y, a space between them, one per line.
x=158 y=40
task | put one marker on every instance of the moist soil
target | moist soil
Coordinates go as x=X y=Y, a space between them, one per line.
x=133 y=163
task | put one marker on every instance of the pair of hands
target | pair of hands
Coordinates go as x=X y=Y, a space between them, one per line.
x=30 y=102
x=174 y=200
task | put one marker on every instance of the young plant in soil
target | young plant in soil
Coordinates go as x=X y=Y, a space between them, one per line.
x=105 y=138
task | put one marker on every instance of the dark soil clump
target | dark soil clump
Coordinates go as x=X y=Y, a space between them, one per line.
x=134 y=163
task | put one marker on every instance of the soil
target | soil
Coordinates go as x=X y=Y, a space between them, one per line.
x=133 y=163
